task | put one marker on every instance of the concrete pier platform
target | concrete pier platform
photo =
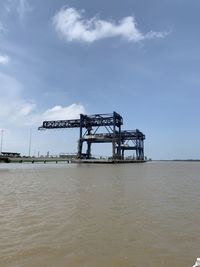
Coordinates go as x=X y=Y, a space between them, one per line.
x=66 y=160
x=106 y=161
x=34 y=160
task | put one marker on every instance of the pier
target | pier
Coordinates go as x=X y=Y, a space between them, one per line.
x=34 y=160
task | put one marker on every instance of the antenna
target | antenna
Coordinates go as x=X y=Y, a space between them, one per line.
x=30 y=139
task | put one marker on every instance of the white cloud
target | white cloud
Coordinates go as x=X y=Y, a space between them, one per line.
x=26 y=109
x=71 y=24
x=4 y=59
x=72 y=111
x=17 y=111
x=14 y=109
x=63 y=113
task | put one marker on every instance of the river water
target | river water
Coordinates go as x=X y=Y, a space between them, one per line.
x=128 y=215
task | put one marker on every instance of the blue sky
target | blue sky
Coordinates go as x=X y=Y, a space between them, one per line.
x=140 y=58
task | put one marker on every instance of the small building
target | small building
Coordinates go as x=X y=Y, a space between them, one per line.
x=11 y=154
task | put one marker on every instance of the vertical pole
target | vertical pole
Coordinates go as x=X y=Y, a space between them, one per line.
x=119 y=142
x=88 y=144
x=114 y=129
x=140 y=149
x=80 y=143
x=122 y=149
x=2 y=140
x=142 y=143
x=136 y=147
x=30 y=139
x=88 y=149
x=123 y=154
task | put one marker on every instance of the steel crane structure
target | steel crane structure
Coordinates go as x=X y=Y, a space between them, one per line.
x=89 y=133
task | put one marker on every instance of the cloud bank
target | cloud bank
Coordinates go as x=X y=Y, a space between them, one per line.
x=71 y=24
x=17 y=111
x=14 y=108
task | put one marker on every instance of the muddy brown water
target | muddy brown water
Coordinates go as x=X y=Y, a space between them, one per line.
x=127 y=215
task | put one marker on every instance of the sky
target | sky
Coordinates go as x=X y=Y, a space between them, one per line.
x=136 y=57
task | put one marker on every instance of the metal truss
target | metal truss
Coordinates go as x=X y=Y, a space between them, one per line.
x=85 y=121
x=89 y=126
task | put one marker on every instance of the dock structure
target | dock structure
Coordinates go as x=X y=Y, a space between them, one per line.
x=91 y=132
x=35 y=160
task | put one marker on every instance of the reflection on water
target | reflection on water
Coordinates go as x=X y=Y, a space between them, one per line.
x=130 y=215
